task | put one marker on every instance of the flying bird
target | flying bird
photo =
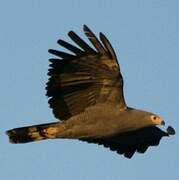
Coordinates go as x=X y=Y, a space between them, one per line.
x=85 y=91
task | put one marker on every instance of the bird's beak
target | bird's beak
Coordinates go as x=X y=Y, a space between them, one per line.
x=162 y=123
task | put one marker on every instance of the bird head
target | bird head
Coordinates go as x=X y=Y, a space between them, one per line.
x=157 y=120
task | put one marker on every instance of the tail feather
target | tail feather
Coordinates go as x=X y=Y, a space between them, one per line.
x=34 y=133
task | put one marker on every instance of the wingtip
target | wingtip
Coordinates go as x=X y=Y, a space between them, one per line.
x=101 y=35
x=50 y=50
x=59 y=41
x=70 y=33
x=85 y=27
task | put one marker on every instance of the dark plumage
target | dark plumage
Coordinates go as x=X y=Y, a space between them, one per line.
x=85 y=91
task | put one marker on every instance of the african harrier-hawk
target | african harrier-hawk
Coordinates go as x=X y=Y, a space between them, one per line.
x=85 y=91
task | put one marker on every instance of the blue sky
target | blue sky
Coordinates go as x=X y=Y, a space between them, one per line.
x=146 y=40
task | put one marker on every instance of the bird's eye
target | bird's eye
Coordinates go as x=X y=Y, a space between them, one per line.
x=154 y=118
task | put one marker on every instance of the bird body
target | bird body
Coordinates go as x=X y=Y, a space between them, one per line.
x=85 y=91
x=104 y=121
x=99 y=122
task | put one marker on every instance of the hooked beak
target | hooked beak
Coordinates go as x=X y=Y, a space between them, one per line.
x=162 y=123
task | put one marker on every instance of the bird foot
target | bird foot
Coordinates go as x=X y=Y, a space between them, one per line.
x=170 y=130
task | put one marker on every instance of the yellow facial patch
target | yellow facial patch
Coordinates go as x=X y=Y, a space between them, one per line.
x=156 y=119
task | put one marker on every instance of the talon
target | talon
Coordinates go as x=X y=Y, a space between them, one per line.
x=170 y=130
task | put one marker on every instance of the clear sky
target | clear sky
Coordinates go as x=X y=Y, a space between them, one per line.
x=145 y=35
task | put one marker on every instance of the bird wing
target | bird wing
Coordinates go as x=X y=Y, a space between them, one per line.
x=131 y=142
x=84 y=78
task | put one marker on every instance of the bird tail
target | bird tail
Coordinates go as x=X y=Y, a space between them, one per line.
x=35 y=133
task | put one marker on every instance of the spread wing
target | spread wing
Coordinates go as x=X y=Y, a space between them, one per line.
x=131 y=142
x=86 y=77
